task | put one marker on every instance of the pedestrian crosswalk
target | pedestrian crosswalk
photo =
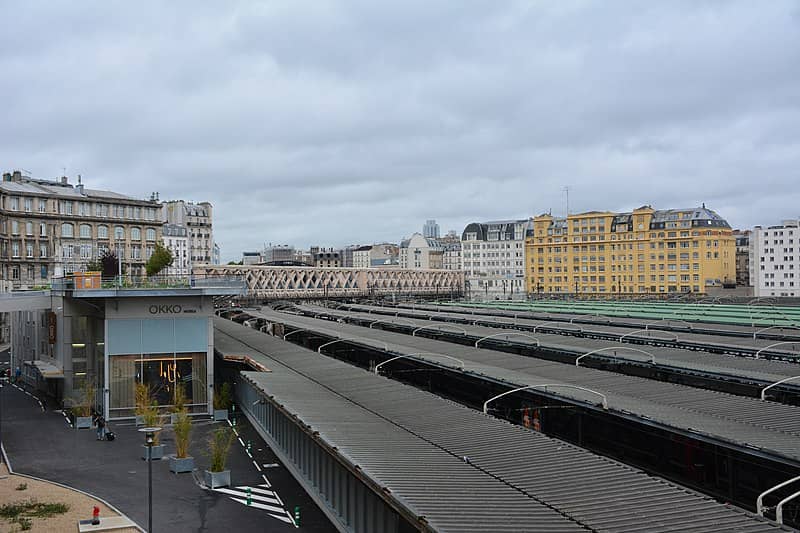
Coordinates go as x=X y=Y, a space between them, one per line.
x=261 y=497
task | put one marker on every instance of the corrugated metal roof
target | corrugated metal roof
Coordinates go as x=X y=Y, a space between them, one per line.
x=600 y=493
x=758 y=370
x=767 y=426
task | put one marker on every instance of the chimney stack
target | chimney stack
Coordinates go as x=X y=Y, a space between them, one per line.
x=17 y=176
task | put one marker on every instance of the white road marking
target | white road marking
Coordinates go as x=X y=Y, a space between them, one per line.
x=268 y=508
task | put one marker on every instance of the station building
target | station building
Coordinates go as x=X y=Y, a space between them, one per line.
x=81 y=333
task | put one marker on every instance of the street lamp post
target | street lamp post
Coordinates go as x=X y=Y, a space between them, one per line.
x=149 y=438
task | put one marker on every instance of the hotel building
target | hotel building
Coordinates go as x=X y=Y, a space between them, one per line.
x=646 y=251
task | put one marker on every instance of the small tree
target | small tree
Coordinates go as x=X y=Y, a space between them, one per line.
x=160 y=259
x=95 y=265
x=109 y=263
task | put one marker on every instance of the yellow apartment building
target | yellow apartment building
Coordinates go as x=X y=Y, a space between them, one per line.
x=646 y=251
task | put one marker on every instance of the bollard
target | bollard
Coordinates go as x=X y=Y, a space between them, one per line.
x=249 y=496
x=95 y=516
x=297 y=515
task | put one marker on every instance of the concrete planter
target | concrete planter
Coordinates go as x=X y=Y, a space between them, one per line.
x=157 y=453
x=83 y=422
x=218 y=479
x=180 y=465
x=220 y=415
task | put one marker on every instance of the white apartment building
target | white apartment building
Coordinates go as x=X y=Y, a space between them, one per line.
x=361 y=256
x=493 y=258
x=197 y=218
x=419 y=253
x=775 y=259
x=177 y=242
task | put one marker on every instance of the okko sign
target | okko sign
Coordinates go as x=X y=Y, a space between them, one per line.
x=165 y=309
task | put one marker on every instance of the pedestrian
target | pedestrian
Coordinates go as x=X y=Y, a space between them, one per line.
x=100 y=422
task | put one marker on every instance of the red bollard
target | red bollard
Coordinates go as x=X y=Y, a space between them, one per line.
x=95 y=515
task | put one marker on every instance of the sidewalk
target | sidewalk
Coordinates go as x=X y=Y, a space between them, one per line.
x=42 y=444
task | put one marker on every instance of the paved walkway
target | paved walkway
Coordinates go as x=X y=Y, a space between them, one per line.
x=42 y=444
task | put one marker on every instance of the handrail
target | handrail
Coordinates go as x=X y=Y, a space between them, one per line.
x=544 y=385
x=652 y=357
x=506 y=333
x=665 y=319
x=596 y=315
x=293 y=331
x=388 y=321
x=646 y=331
x=496 y=320
x=765 y=389
x=762 y=330
x=410 y=355
x=775 y=344
x=414 y=333
x=345 y=339
x=779 y=508
x=760 y=499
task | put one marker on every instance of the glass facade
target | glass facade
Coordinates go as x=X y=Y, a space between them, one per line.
x=163 y=354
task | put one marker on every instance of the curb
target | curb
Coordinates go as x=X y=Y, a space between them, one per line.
x=11 y=471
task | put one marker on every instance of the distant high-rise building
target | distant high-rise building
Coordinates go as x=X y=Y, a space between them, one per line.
x=278 y=254
x=430 y=230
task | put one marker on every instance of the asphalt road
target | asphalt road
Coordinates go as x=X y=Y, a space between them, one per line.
x=42 y=444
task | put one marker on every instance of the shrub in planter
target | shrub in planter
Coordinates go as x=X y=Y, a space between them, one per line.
x=223 y=399
x=181 y=461
x=83 y=407
x=147 y=409
x=219 y=445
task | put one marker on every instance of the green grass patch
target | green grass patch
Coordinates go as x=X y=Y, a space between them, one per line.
x=21 y=513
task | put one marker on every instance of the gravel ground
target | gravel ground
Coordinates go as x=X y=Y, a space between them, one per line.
x=80 y=505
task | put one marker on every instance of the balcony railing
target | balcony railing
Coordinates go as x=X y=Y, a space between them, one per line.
x=87 y=281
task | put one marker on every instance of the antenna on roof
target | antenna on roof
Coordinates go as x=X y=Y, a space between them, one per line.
x=704 y=205
x=566 y=193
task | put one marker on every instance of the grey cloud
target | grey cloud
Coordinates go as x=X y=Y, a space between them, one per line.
x=342 y=122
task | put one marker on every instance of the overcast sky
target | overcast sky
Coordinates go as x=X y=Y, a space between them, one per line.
x=331 y=123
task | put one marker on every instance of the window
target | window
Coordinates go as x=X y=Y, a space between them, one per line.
x=42 y=206
x=28 y=205
x=42 y=250
x=136 y=234
x=151 y=234
x=14 y=227
x=86 y=231
x=119 y=232
x=29 y=249
x=29 y=228
x=102 y=232
x=67 y=230
x=42 y=229
x=15 y=249
x=14 y=203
